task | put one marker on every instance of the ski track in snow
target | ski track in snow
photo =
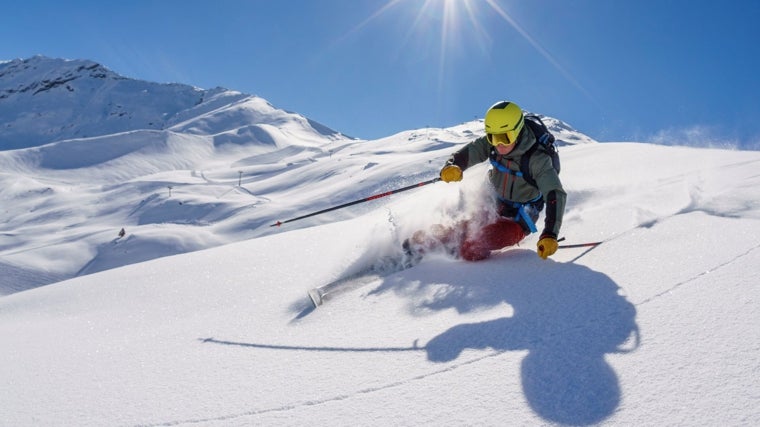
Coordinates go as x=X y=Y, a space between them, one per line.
x=370 y=390
x=678 y=285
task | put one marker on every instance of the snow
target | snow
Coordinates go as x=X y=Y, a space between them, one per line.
x=199 y=314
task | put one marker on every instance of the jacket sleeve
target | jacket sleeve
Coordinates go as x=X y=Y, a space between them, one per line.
x=555 y=197
x=471 y=154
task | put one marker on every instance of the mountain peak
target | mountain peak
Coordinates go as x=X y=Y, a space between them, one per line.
x=44 y=100
x=40 y=73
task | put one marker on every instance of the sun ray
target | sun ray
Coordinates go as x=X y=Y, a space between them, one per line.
x=455 y=23
x=386 y=7
x=480 y=33
x=540 y=49
x=445 y=32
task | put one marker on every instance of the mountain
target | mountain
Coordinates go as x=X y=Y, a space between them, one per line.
x=44 y=100
x=89 y=152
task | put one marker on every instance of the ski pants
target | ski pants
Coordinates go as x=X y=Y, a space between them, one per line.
x=500 y=234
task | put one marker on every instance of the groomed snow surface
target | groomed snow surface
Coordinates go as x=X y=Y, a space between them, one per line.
x=659 y=325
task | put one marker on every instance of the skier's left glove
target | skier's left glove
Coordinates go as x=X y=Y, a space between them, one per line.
x=547 y=246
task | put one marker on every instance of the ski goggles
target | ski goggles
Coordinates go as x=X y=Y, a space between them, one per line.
x=507 y=138
x=497 y=139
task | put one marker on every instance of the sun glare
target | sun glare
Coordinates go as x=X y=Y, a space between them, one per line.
x=459 y=22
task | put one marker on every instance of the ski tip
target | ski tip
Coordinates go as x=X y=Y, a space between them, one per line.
x=316 y=297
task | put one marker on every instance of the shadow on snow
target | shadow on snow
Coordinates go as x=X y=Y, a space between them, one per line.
x=566 y=315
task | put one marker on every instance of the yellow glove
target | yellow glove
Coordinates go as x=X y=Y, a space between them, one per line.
x=547 y=246
x=451 y=173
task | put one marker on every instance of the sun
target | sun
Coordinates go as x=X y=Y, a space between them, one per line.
x=447 y=21
x=459 y=22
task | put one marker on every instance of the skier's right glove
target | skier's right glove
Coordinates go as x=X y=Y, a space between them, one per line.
x=451 y=173
x=547 y=246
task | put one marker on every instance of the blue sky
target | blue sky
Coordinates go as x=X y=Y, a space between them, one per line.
x=665 y=70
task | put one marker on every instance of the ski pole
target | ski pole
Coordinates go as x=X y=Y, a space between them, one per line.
x=578 y=245
x=356 y=202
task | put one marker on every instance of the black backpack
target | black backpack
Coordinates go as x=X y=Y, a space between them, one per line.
x=544 y=142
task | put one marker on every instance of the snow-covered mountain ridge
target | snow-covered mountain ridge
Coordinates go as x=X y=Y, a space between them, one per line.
x=45 y=100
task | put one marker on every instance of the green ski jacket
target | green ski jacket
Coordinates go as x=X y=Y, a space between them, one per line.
x=510 y=187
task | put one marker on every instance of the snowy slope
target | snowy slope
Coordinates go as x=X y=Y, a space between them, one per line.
x=182 y=169
x=161 y=160
x=657 y=326
x=199 y=316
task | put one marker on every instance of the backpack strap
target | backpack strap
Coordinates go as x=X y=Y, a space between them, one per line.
x=524 y=214
x=524 y=171
x=545 y=141
x=495 y=162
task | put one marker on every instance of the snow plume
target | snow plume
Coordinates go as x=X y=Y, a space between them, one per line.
x=440 y=206
x=447 y=205
x=703 y=136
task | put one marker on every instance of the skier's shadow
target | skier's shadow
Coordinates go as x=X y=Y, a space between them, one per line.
x=566 y=315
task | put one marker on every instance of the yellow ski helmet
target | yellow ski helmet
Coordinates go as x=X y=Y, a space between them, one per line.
x=504 y=117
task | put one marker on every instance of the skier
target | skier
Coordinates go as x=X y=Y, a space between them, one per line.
x=518 y=201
